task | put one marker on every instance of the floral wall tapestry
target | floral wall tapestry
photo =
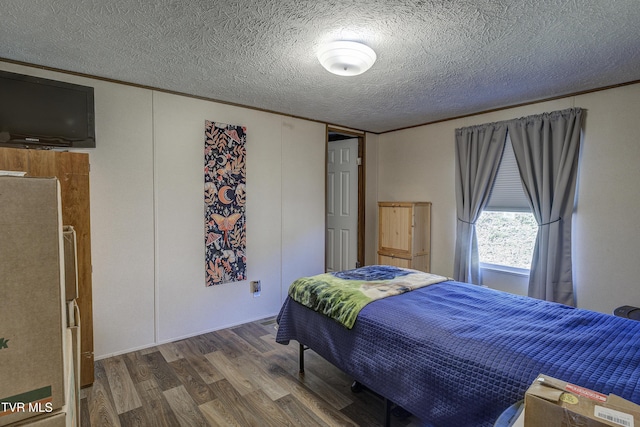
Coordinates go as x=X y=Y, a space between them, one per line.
x=224 y=203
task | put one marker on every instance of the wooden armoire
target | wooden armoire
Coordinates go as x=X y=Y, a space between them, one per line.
x=72 y=171
x=404 y=234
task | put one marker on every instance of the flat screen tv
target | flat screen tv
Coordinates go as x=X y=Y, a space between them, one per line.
x=37 y=112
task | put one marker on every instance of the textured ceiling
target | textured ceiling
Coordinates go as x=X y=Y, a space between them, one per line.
x=436 y=58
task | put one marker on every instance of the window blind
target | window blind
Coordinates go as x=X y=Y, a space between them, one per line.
x=507 y=194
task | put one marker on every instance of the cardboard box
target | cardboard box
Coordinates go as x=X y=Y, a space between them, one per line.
x=32 y=319
x=550 y=402
x=58 y=419
x=68 y=415
x=70 y=263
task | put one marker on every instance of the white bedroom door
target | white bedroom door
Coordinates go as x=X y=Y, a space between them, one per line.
x=342 y=204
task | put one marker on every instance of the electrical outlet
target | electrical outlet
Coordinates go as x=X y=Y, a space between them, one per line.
x=256 y=288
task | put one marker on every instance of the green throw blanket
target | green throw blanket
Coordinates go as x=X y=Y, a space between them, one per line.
x=342 y=295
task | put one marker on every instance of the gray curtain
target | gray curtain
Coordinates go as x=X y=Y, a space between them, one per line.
x=546 y=148
x=478 y=153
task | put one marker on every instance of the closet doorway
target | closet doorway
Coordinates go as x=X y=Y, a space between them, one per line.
x=344 y=241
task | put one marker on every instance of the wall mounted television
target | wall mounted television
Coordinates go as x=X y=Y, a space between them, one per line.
x=42 y=113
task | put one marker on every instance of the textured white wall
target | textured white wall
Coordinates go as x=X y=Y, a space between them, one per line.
x=185 y=305
x=147 y=218
x=418 y=164
x=122 y=226
x=303 y=200
x=607 y=228
x=371 y=200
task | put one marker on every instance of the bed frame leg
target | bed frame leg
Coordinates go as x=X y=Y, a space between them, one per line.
x=387 y=412
x=355 y=387
x=301 y=359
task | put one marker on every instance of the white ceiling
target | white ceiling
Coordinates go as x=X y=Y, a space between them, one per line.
x=437 y=59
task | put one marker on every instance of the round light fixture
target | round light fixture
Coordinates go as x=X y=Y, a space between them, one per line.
x=346 y=58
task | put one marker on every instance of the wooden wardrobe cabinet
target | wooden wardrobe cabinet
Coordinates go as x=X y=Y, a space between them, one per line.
x=404 y=234
x=72 y=171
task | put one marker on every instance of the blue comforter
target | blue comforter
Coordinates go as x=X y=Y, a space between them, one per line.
x=456 y=354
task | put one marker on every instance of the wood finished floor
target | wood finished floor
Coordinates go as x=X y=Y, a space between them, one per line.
x=234 y=377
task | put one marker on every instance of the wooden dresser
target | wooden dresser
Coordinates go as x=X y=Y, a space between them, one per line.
x=404 y=234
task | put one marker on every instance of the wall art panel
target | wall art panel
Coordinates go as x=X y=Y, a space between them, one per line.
x=224 y=201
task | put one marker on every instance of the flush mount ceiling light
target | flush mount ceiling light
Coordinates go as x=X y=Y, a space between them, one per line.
x=346 y=58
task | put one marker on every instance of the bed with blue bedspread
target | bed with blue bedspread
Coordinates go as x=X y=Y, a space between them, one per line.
x=456 y=354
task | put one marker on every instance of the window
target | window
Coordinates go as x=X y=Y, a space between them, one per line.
x=506 y=230
x=506 y=238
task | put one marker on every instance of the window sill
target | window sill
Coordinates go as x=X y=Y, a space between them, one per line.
x=520 y=272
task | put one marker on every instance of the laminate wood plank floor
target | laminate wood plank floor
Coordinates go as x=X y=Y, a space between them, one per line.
x=234 y=377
